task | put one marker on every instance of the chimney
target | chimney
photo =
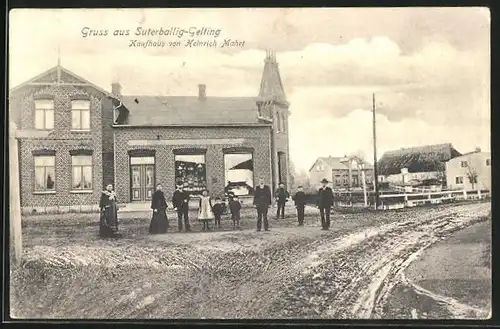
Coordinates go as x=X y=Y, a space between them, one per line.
x=477 y=149
x=116 y=89
x=202 y=92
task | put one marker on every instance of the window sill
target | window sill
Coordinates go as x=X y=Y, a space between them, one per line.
x=82 y=191
x=44 y=192
x=80 y=131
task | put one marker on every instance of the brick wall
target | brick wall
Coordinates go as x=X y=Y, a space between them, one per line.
x=257 y=138
x=108 y=168
x=62 y=141
x=282 y=142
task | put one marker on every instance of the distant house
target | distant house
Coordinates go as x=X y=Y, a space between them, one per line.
x=470 y=171
x=412 y=166
x=336 y=170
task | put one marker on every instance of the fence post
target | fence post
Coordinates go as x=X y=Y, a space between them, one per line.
x=14 y=191
x=479 y=194
x=465 y=194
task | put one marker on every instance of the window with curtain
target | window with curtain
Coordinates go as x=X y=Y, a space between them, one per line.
x=44 y=114
x=81 y=166
x=80 y=115
x=238 y=170
x=190 y=171
x=44 y=173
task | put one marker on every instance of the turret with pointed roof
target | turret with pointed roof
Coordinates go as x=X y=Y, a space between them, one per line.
x=271 y=85
x=273 y=107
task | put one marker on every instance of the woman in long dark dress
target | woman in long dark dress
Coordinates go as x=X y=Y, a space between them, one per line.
x=109 y=217
x=159 y=221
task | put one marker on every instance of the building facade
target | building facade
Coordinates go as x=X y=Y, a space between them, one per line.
x=64 y=148
x=79 y=138
x=336 y=170
x=470 y=171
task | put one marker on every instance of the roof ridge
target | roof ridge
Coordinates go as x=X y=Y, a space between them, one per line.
x=191 y=96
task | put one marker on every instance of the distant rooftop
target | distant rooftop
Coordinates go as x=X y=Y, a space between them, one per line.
x=416 y=159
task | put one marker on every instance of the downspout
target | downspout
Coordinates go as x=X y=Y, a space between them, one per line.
x=274 y=163
x=114 y=136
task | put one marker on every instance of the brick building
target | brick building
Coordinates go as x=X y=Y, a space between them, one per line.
x=66 y=144
x=218 y=143
x=80 y=137
x=336 y=170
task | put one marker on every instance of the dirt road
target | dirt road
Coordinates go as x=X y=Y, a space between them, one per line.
x=348 y=272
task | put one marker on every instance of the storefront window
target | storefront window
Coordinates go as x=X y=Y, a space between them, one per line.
x=190 y=171
x=239 y=173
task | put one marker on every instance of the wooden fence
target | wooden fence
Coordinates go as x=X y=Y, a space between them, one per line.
x=400 y=199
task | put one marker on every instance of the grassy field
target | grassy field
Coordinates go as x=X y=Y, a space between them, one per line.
x=69 y=272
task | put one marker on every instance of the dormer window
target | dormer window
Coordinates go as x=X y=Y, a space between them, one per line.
x=44 y=114
x=80 y=115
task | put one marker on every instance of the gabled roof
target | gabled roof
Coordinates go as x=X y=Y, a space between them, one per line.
x=49 y=77
x=416 y=159
x=186 y=110
x=469 y=153
x=337 y=163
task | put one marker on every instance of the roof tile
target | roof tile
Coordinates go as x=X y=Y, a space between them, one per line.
x=179 y=110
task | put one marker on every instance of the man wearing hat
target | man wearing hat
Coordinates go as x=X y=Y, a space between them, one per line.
x=281 y=196
x=325 y=203
x=180 y=200
x=262 y=201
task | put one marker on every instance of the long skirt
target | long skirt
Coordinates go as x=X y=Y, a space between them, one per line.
x=159 y=222
x=109 y=222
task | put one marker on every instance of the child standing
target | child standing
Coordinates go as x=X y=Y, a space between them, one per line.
x=235 y=207
x=218 y=209
x=205 y=213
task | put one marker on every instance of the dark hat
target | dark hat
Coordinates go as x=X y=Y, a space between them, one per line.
x=299 y=186
x=281 y=183
x=324 y=180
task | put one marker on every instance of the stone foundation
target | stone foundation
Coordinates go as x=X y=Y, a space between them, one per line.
x=26 y=211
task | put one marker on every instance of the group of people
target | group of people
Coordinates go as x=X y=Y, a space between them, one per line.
x=212 y=210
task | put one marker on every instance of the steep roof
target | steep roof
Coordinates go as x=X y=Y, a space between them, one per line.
x=271 y=85
x=185 y=110
x=416 y=159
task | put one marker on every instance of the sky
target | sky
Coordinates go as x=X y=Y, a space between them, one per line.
x=429 y=68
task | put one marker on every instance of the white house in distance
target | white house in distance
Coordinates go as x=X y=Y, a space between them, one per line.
x=470 y=171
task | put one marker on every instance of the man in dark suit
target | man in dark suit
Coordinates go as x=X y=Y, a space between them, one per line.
x=262 y=200
x=325 y=203
x=180 y=199
x=281 y=196
x=300 y=204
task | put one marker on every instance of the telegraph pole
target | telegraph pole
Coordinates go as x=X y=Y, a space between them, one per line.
x=375 y=171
